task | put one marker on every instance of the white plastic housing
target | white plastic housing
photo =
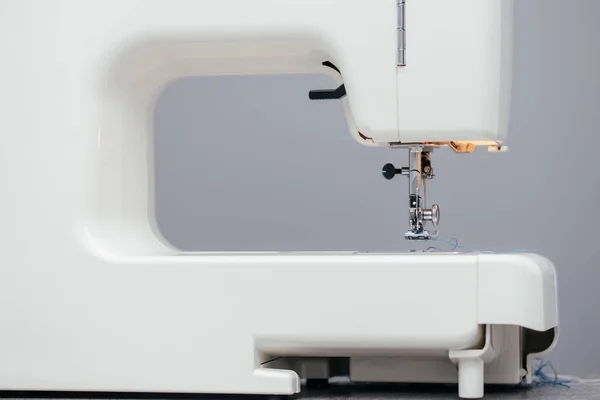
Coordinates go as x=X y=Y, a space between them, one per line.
x=455 y=85
x=457 y=80
x=92 y=298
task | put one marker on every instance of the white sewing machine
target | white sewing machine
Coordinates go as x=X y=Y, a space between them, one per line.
x=93 y=299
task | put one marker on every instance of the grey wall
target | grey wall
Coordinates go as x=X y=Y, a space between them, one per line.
x=252 y=164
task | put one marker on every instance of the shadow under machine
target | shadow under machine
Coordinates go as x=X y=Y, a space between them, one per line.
x=93 y=297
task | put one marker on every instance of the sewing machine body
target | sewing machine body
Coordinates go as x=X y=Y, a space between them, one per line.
x=93 y=298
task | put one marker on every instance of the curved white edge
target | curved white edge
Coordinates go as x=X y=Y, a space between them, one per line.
x=517 y=289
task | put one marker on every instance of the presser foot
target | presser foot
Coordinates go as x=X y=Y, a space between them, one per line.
x=422 y=235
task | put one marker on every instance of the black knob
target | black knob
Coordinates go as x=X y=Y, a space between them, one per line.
x=389 y=171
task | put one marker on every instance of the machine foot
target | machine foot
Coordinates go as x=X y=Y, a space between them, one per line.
x=470 y=378
x=471 y=367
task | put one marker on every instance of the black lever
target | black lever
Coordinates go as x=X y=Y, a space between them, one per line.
x=389 y=171
x=328 y=94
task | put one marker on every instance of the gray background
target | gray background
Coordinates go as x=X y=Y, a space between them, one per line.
x=249 y=163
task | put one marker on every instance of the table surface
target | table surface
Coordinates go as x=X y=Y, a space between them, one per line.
x=577 y=391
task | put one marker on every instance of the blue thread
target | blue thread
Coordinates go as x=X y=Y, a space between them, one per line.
x=541 y=378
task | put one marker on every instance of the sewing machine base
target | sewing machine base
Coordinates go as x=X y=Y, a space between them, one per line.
x=211 y=323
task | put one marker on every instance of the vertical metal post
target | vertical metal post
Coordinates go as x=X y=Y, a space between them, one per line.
x=401 y=26
x=414 y=182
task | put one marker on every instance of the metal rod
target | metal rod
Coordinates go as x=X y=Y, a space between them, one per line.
x=414 y=179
